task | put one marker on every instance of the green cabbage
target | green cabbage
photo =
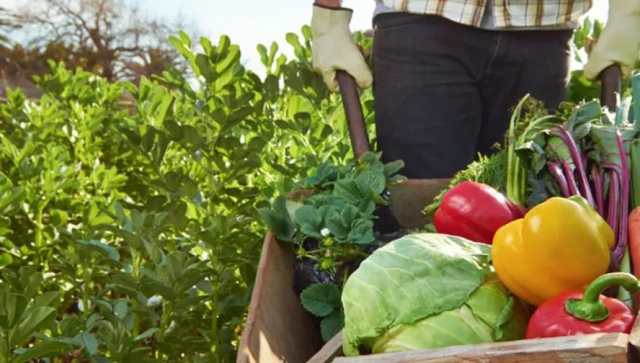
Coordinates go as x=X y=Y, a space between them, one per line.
x=428 y=291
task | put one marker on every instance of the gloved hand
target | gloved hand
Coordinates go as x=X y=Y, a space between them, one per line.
x=620 y=39
x=333 y=48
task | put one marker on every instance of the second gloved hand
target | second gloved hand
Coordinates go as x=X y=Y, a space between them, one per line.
x=333 y=48
x=620 y=39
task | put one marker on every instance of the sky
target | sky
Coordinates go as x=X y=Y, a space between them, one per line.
x=250 y=22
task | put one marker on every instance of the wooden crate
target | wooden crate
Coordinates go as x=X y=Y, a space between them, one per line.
x=278 y=329
x=584 y=349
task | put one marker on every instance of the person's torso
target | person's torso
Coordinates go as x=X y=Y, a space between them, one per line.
x=496 y=14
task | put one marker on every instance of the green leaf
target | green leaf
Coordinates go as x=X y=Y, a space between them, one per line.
x=635 y=97
x=582 y=117
x=306 y=32
x=47 y=299
x=321 y=176
x=237 y=117
x=224 y=79
x=147 y=334
x=556 y=149
x=42 y=350
x=9 y=306
x=5 y=260
x=185 y=38
x=262 y=52
x=90 y=343
x=371 y=183
x=30 y=322
x=204 y=66
x=361 y=232
x=97 y=217
x=331 y=325
x=162 y=109
x=224 y=42
x=101 y=248
x=272 y=52
x=9 y=196
x=321 y=299
x=338 y=228
x=230 y=60
x=121 y=309
x=348 y=189
x=278 y=220
x=310 y=220
x=393 y=168
x=208 y=48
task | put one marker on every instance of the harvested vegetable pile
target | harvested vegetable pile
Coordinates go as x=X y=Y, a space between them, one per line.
x=544 y=225
x=581 y=150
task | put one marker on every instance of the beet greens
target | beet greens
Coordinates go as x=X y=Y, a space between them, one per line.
x=583 y=150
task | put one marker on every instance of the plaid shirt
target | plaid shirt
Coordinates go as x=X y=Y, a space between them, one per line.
x=507 y=13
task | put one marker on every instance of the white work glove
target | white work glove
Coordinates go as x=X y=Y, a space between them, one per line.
x=620 y=39
x=333 y=47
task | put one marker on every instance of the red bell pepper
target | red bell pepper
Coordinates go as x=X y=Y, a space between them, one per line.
x=474 y=211
x=574 y=313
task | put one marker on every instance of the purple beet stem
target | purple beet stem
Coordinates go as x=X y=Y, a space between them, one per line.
x=618 y=252
x=614 y=201
x=598 y=188
x=571 y=180
x=566 y=137
x=556 y=171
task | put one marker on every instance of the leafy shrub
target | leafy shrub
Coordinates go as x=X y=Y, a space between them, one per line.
x=129 y=229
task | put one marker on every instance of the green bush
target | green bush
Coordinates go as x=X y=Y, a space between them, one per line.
x=129 y=229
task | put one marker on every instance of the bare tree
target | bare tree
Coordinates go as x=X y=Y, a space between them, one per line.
x=106 y=36
x=7 y=23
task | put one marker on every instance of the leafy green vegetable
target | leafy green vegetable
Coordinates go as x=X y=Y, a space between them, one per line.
x=336 y=211
x=339 y=209
x=425 y=291
x=332 y=324
x=321 y=299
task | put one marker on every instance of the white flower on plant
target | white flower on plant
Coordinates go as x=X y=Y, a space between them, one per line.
x=154 y=300
x=325 y=232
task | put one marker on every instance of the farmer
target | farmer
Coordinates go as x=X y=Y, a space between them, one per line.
x=447 y=71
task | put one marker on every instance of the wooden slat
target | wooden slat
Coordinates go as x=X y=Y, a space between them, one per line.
x=329 y=351
x=594 y=348
x=277 y=328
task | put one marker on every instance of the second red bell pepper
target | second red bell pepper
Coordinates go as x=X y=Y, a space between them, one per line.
x=574 y=313
x=474 y=211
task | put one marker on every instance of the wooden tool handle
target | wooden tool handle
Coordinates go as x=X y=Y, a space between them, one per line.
x=611 y=83
x=353 y=110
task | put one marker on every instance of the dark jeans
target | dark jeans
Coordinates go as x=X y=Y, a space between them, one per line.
x=444 y=91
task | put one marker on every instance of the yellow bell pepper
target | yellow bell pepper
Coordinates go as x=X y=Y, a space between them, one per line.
x=561 y=244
